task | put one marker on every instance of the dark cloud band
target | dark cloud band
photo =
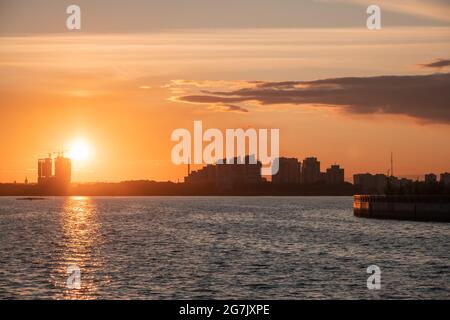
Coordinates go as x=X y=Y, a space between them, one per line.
x=425 y=97
x=438 y=64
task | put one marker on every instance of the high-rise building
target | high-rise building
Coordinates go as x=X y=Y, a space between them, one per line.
x=227 y=174
x=373 y=184
x=289 y=170
x=243 y=172
x=445 y=178
x=310 y=170
x=335 y=175
x=45 y=168
x=430 y=178
x=63 y=170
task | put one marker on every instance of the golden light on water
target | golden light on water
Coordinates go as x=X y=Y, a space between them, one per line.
x=82 y=236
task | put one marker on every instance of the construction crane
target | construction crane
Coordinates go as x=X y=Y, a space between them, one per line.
x=59 y=153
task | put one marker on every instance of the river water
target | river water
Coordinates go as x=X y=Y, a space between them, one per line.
x=214 y=248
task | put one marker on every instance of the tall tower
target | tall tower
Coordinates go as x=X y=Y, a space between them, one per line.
x=63 y=171
x=310 y=170
x=392 y=164
x=45 y=167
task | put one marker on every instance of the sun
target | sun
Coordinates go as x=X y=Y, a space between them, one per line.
x=79 y=150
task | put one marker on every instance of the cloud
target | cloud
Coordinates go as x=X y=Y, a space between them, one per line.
x=232 y=108
x=424 y=97
x=438 y=64
x=227 y=108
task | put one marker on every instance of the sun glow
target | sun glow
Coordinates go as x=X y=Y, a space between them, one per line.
x=79 y=150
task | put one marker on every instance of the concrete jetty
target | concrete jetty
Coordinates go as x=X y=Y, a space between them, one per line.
x=403 y=207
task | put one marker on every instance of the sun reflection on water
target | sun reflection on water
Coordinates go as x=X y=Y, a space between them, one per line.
x=81 y=240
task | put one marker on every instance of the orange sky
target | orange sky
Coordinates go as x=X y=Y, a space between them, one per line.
x=115 y=90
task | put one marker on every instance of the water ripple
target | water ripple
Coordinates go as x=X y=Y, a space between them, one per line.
x=213 y=247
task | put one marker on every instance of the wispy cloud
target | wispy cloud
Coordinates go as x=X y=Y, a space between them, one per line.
x=438 y=64
x=228 y=108
x=424 y=97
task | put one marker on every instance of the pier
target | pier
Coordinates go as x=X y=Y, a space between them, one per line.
x=403 y=207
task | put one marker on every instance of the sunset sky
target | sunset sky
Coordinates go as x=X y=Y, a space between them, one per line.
x=138 y=70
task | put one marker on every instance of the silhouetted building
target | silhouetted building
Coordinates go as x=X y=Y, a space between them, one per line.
x=226 y=175
x=323 y=177
x=445 y=179
x=335 y=175
x=401 y=183
x=45 y=168
x=369 y=183
x=310 y=170
x=204 y=175
x=63 y=170
x=289 y=171
x=430 y=178
x=380 y=182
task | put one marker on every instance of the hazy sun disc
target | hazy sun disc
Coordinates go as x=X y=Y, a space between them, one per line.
x=79 y=150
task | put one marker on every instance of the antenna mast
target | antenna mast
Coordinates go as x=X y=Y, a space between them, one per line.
x=392 y=164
